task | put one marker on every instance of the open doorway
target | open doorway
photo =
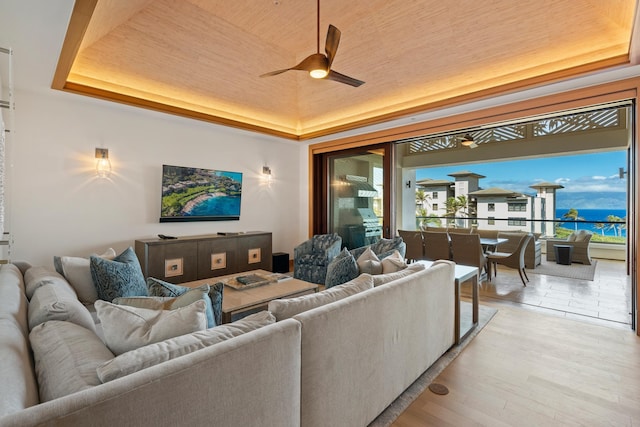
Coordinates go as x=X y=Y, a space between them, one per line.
x=550 y=176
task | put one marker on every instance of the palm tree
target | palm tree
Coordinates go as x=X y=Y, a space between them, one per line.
x=457 y=205
x=600 y=226
x=421 y=198
x=573 y=215
x=615 y=227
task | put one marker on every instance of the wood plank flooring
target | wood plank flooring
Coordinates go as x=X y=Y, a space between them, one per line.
x=537 y=366
x=526 y=368
x=606 y=299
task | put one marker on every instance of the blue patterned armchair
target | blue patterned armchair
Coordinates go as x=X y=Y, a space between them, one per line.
x=311 y=258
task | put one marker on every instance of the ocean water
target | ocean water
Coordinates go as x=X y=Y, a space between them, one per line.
x=217 y=206
x=595 y=215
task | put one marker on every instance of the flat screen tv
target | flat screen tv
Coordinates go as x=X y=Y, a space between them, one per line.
x=193 y=194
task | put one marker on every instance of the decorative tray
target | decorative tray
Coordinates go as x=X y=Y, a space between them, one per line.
x=250 y=281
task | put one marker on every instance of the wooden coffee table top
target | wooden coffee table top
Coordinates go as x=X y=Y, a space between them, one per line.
x=234 y=299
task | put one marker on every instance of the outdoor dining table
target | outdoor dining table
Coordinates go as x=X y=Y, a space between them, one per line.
x=490 y=244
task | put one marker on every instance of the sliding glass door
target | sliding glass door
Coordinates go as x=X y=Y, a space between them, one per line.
x=355 y=200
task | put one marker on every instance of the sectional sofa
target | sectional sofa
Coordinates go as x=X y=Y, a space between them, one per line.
x=338 y=357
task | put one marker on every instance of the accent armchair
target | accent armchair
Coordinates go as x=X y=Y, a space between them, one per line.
x=311 y=258
x=580 y=242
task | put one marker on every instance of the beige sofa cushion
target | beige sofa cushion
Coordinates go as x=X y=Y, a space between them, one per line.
x=381 y=279
x=77 y=271
x=392 y=263
x=126 y=328
x=66 y=357
x=369 y=263
x=37 y=276
x=289 y=307
x=152 y=354
x=53 y=302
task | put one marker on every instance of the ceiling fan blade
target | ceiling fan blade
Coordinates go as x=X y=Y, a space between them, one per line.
x=341 y=78
x=275 y=73
x=331 y=46
x=307 y=64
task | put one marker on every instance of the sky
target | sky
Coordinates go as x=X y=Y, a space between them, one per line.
x=594 y=174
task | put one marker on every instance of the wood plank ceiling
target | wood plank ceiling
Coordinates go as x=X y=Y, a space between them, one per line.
x=203 y=58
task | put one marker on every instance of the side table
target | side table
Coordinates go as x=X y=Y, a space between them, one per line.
x=464 y=273
x=563 y=254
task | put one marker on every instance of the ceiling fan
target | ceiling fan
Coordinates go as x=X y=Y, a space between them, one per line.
x=318 y=64
x=467 y=140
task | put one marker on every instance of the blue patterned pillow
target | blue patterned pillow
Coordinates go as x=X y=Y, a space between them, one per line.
x=342 y=269
x=159 y=288
x=120 y=277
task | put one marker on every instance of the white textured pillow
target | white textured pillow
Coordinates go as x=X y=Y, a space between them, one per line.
x=77 y=271
x=392 y=263
x=66 y=358
x=369 y=263
x=53 y=302
x=289 y=307
x=37 y=276
x=127 y=328
x=152 y=303
x=152 y=354
x=381 y=279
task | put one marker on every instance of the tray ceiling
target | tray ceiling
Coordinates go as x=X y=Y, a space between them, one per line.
x=203 y=58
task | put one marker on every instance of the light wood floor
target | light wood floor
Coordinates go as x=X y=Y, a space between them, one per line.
x=538 y=367
x=605 y=300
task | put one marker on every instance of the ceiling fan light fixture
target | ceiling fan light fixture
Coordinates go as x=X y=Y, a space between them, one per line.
x=468 y=141
x=318 y=73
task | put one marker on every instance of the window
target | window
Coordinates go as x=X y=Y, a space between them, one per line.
x=518 y=221
x=492 y=207
x=517 y=207
x=434 y=195
x=435 y=207
x=491 y=220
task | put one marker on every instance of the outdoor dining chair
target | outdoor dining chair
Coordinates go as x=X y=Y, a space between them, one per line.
x=514 y=259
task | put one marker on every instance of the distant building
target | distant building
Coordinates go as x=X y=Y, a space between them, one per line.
x=496 y=208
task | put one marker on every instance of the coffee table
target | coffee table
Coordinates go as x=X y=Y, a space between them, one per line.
x=236 y=301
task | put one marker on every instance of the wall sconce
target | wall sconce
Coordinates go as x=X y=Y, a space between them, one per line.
x=103 y=165
x=408 y=184
x=266 y=174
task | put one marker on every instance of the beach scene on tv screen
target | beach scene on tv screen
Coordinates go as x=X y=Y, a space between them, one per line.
x=193 y=192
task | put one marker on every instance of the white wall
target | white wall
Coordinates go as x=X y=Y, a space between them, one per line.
x=59 y=207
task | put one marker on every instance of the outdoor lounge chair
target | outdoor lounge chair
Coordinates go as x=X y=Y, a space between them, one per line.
x=580 y=242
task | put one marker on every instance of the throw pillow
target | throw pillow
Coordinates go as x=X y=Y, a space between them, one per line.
x=120 y=277
x=127 y=328
x=159 y=288
x=66 y=357
x=369 y=263
x=392 y=263
x=289 y=307
x=153 y=354
x=51 y=302
x=164 y=303
x=381 y=279
x=341 y=269
x=77 y=271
